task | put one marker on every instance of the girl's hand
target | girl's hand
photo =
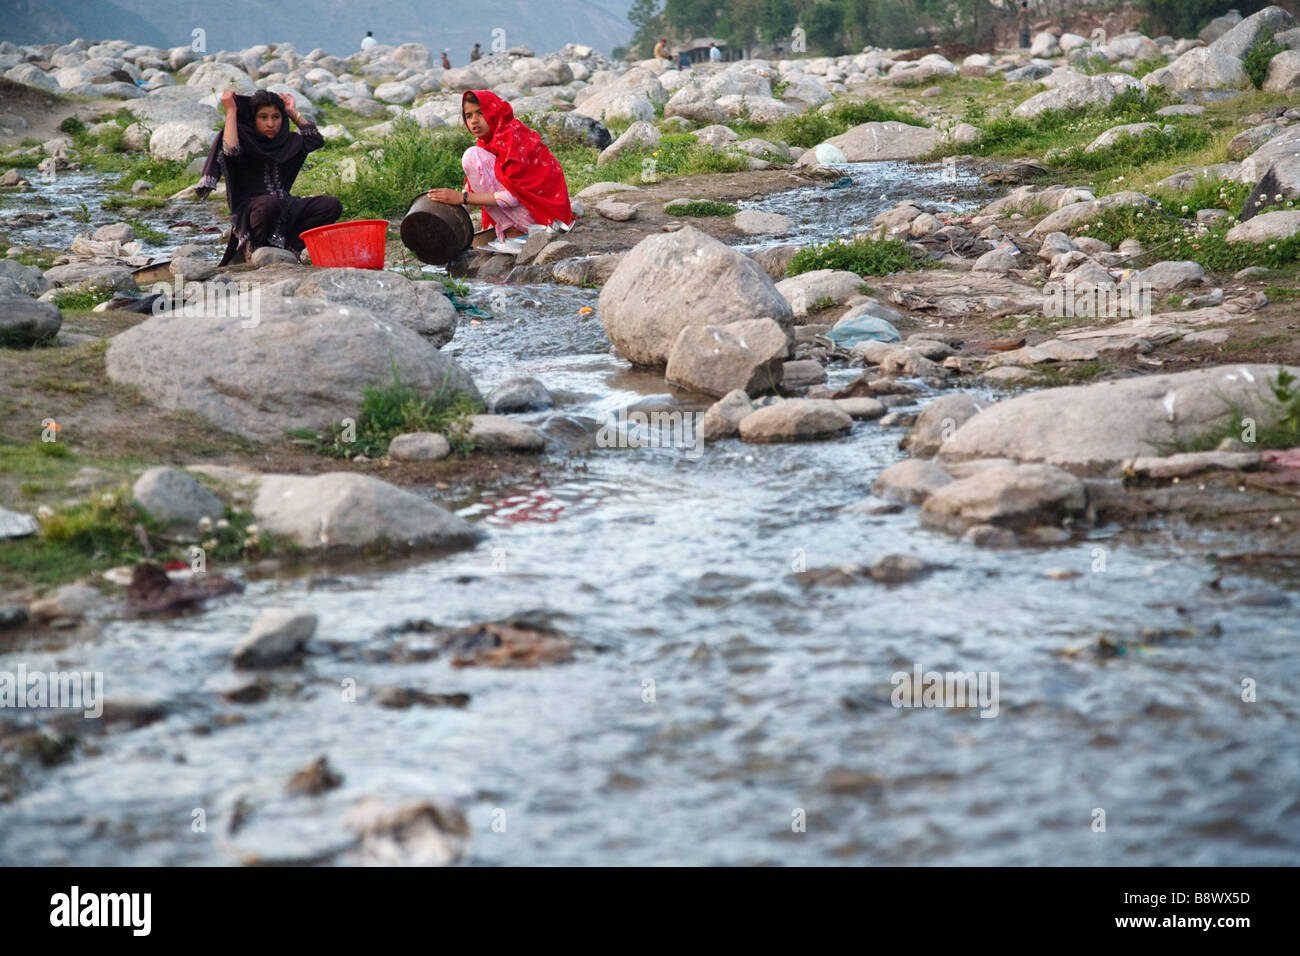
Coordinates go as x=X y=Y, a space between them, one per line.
x=451 y=197
x=228 y=100
x=288 y=100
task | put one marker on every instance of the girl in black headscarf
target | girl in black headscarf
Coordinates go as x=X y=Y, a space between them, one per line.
x=260 y=158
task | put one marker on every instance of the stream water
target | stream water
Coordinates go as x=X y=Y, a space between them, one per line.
x=771 y=702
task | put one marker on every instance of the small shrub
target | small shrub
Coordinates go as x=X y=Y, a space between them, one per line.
x=1261 y=54
x=391 y=410
x=702 y=208
x=82 y=300
x=866 y=257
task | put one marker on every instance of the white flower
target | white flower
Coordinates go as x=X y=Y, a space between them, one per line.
x=205 y=524
x=1272 y=246
x=252 y=529
x=1184 y=209
x=210 y=544
x=222 y=524
x=44 y=513
x=106 y=498
x=1277 y=198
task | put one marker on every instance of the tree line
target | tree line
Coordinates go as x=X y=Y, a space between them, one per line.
x=835 y=27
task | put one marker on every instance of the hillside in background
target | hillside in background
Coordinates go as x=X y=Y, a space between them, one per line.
x=336 y=25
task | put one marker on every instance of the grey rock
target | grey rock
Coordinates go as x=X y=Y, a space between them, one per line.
x=522 y=393
x=724 y=416
x=910 y=481
x=419 y=446
x=1014 y=497
x=171 y=496
x=25 y=322
x=246 y=375
x=271 y=255
x=641 y=305
x=498 y=433
x=277 y=637
x=348 y=511
x=939 y=422
x=745 y=356
x=15 y=524
x=795 y=419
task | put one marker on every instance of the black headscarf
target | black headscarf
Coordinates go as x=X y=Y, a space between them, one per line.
x=286 y=149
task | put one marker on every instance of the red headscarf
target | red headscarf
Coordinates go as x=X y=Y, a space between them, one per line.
x=524 y=165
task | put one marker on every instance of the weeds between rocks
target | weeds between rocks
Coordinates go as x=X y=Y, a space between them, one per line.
x=1181 y=239
x=702 y=208
x=1260 y=55
x=81 y=300
x=1279 y=432
x=866 y=257
x=110 y=529
x=391 y=410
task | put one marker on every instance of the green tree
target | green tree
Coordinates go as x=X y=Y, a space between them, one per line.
x=647 y=26
x=1186 y=18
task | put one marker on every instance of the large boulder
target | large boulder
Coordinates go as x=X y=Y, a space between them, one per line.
x=1283 y=72
x=572 y=127
x=1268 y=227
x=673 y=280
x=218 y=77
x=717 y=359
x=348 y=511
x=29 y=279
x=421 y=306
x=693 y=103
x=1092 y=428
x=25 y=322
x=877 y=141
x=247 y=374
x=1238 y=41
x=837 y=285
x=639 y=136
x=1281 y=180
x=179 y=141
x=1202 y=68
x=1080 y=92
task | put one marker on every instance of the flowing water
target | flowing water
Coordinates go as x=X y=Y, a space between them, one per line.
x=721 y=704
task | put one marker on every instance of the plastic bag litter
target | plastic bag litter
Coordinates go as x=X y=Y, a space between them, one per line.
x=863 y=328
x=829 y=154
x=844 y=182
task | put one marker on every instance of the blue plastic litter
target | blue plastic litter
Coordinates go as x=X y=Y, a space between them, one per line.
x=462 y=306
x=863 y=328
x=844 y=182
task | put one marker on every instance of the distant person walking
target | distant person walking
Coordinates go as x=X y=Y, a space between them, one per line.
x=715 y=55
x=446 y=63
x=475 y=54
x=1024 y=24
x=368 y=40
x=661 y=49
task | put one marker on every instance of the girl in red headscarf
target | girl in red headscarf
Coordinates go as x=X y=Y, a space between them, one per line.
x=509 y=171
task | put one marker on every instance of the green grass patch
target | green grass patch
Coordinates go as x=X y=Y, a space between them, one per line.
x=866 y=257
x=167 y=176
x=1278 y=293
x=82 y=299
x=1165 y=234
x=701 y=207
x=147 y=233
x=1129 y=152
x=1055 y=375
x=1260 y=55
x=380 y=183
x=391 y=410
